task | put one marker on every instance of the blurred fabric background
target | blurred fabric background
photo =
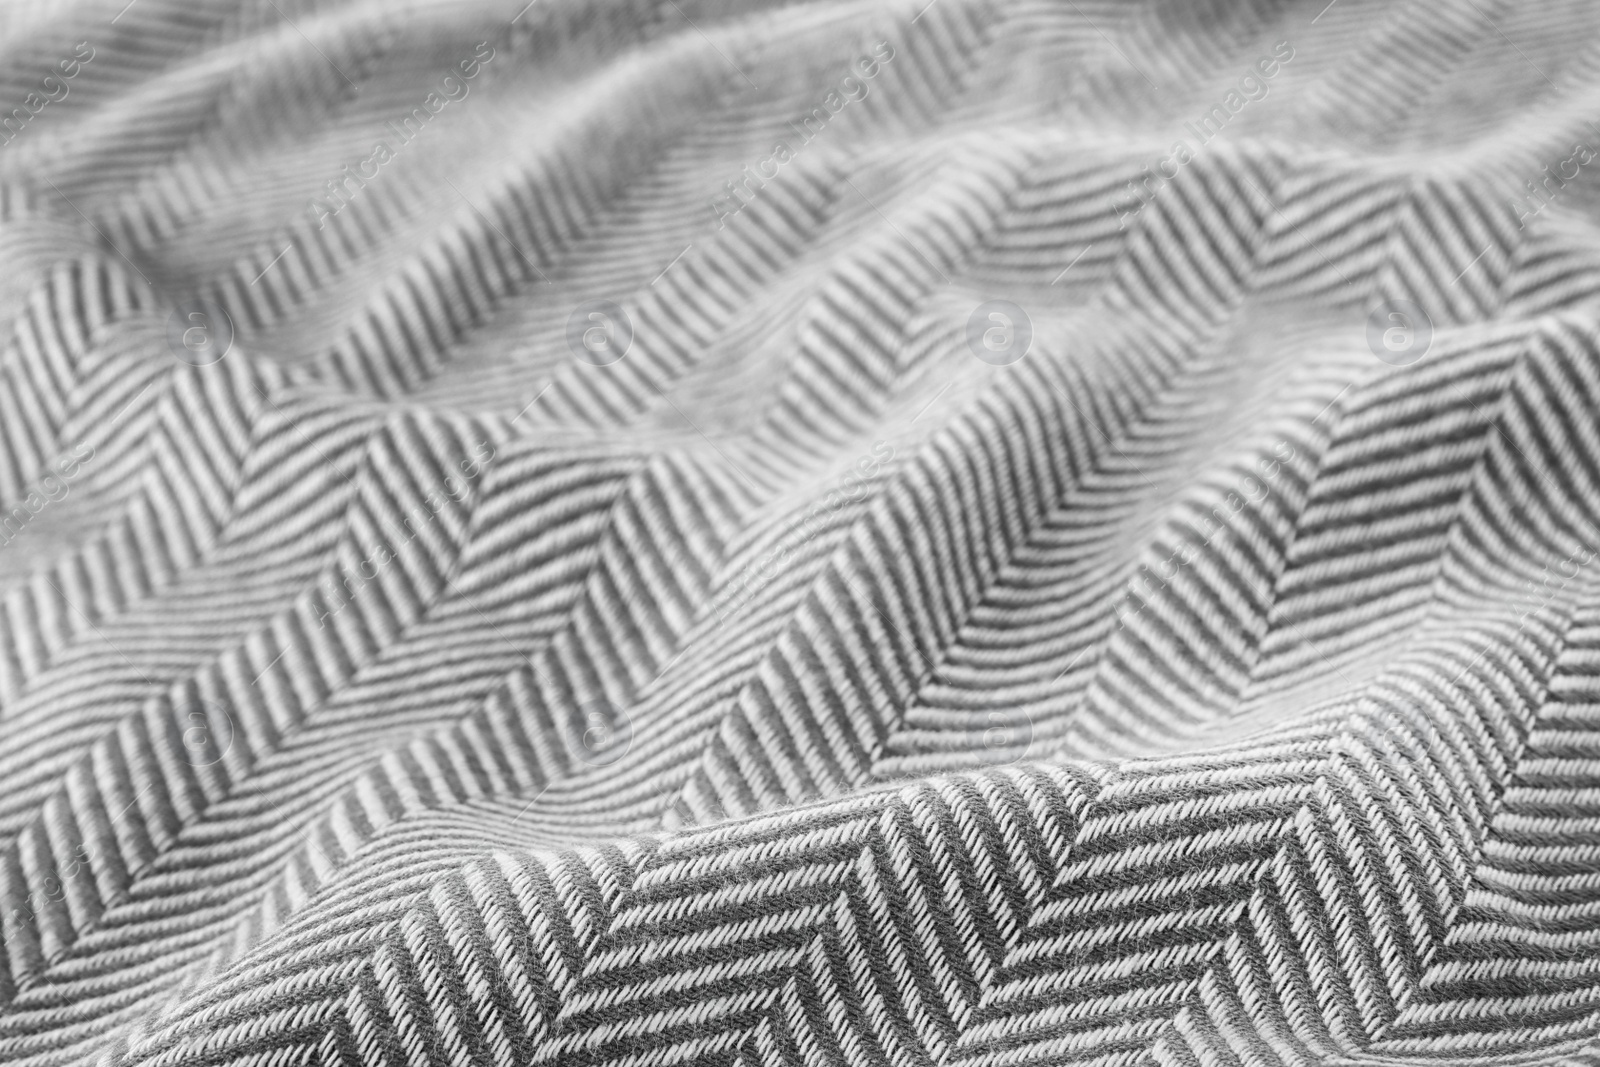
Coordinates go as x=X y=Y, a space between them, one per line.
x=947 y=532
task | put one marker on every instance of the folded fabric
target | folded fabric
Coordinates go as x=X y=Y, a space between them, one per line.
x=947 y=532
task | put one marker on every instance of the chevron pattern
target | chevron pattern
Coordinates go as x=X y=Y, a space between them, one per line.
x=519 y=543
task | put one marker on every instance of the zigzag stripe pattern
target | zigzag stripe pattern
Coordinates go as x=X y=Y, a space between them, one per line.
x=519 y=543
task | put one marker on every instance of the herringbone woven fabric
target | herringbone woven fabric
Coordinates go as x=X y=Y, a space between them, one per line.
x=847 y=532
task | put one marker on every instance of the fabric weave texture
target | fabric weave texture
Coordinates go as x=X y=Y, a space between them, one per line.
x=842 y=532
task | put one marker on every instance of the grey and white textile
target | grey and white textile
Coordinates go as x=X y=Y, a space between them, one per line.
x=974 y=533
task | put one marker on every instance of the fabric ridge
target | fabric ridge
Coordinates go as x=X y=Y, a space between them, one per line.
x=970 y=532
